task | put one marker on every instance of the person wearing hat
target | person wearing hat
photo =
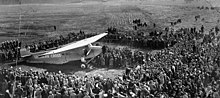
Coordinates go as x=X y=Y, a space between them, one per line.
x=80 y=94
x=72 y=93
x=105 y=95
x=19 y=91
x=101 y=93
x=96 y=90
x=7 y=94
x=3 y=45
x=58 y=95
x=51 y=95
x=37 y=92
x=30 y=91
x=9 y=54
x=10 y=44
x=45 y=92
x=111 y=61
x=86 y=95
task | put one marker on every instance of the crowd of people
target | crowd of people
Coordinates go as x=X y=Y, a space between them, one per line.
x=173 y=23
x=206 y=8
x=137 y=23
x=10 y=50
x=118 y=58
x=189 y=69
x=155 y=39
x=54 y=43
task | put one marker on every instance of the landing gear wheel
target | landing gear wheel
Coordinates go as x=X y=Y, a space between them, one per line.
x=83 y=66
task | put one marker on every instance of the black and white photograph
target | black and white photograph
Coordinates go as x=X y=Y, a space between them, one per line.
x=109 y=48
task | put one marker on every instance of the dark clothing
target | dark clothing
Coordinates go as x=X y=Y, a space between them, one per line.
x=45 y=94
x=7 y=95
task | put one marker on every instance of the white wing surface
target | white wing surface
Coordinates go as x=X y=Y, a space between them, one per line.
x=77 y=44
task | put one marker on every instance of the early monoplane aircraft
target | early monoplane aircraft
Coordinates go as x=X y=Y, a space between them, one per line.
x=79 y=50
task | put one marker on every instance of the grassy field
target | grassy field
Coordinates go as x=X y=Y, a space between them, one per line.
x=94 y=17
x=37 y=20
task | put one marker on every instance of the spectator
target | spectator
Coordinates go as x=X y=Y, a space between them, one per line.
x=7 y=94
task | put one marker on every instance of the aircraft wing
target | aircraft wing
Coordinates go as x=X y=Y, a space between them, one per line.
x=77 y=44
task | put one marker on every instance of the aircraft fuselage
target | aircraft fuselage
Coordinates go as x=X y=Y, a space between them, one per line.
x=64 y=57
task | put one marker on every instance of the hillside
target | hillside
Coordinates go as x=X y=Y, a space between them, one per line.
x=160 y=2
x=8 y=2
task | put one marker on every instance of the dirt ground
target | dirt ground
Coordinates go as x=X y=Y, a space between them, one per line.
x=38 y=21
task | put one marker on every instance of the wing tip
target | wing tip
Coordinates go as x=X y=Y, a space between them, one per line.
x=104 y=34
